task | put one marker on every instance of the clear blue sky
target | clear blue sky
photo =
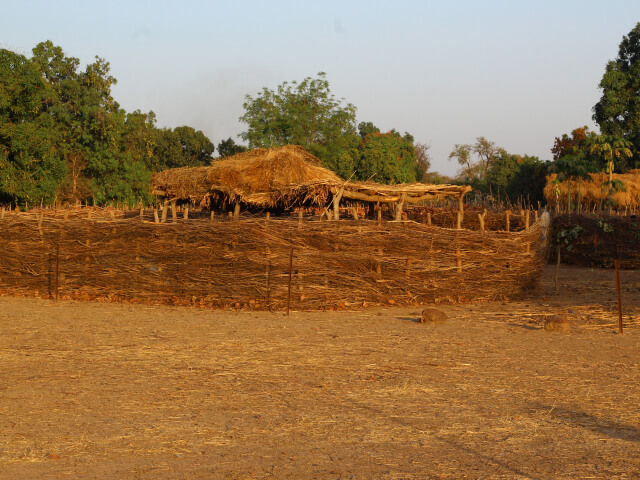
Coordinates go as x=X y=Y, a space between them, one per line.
x=519 y=73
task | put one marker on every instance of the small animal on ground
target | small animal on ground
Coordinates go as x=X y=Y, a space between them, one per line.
x=557 y=323
x=433 y=315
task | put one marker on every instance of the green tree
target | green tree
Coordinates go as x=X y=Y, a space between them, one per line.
x=181 y=147
x=462 y=154
x=31 y=167
x=304 y=113
x=388 y=158
x=229 y=148
x=618 y=110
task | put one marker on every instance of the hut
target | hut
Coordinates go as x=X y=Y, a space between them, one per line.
x=283 y=178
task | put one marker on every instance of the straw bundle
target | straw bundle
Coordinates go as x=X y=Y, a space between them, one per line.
x=260 y=177
x=592 y=191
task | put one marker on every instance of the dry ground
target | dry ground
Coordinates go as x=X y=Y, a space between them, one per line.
x=109 y=391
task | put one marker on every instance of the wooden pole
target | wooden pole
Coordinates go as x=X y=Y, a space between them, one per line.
x=617 y=263
x=336 y=204
x=379 y=215
x=557 y=267
x=290 y=274
x=508 y=222
x=212 y=216
x=236 y=211
x=481 y=219
x=459 y=220
x=299 y=218
x=165 y=207
x=354 y=212
x=429 y=218
x=174 y=210
x=57 y=268
x=155 y=216
x=186 y=213
x=526 y=220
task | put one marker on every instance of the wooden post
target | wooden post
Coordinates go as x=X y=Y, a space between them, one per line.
x=185 y=214
x=535 y=216
x=617 y=263
x=526 y=221
x=481 y=220
x=266 y=219
x=429 y=218
x=290 y=274
x=354 y=212
x=212 y=215
x=236 y=211
x=155 y=216
x=174 y=210
x=336 y=204
x=299 y=218
x=459 y=220
x=141 y=212
x=379 y=215
x=57 y=268
x=557 y=267
x=399 y=206
x=508 y=222
x=268 y=274
x=165 y=207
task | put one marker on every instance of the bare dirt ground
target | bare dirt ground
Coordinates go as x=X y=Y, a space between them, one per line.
x=110 y=391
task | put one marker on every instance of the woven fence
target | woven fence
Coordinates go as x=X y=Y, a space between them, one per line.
x=222 y=263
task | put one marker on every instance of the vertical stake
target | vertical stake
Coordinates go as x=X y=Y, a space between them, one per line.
x=57 y=268
x=557 y=267
x=290 y=273
x=619 y=299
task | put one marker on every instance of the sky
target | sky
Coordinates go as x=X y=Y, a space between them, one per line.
x=518 y=73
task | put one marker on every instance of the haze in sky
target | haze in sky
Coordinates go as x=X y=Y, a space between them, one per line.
x=518 y=73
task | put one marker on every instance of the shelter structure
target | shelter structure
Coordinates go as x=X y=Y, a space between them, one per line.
x=285 y=177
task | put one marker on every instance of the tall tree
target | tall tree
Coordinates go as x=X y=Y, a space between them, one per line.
x=618 y=110
x=228 y=148
x=31 y=166
x=304 y=113
x=462 y=154
x=388 y=158
x=423 y=159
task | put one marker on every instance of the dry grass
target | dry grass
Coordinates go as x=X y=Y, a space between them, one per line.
x=592 y=192
x=149 y=392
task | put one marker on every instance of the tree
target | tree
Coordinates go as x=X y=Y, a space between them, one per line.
x=423 y=159
x=304 y=113
x=228 y=148
x=181 y=147
x=31 y=166
x=618 y=110
x=462 y=154
x=388 y=158
x=486 y=152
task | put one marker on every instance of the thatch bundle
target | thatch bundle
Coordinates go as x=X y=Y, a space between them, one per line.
x=592 y=192
x=260 y=177
x=284 y=176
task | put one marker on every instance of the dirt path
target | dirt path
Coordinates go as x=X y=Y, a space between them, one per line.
x=108 y=391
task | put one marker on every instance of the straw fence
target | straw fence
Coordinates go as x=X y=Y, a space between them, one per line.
x=596 y=241
x=221 y=263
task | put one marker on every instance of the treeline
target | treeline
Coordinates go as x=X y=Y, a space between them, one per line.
x=64 y=138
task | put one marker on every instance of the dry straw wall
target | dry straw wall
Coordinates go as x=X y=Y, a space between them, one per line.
x=245 y=263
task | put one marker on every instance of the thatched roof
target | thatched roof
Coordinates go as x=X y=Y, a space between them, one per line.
x=286 y=176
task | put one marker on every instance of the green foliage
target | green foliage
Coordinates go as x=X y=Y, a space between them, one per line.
x=567 y=237
x=388 y=158
x=228 y=148
x=181 y=147
x=607 y=228
x=31 y=167
x=304 y=113
x=63 y=136
x=618 y=110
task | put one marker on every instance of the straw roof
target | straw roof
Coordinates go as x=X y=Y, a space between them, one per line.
x=287 y=176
